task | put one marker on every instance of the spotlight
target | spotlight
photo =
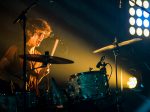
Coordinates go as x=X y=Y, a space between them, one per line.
x=145 y=14
x=132 y=82
x=139 y=22
x=139 y=2
x=146 y=23
x=132 y=21
x=139 y=12
x=139 y=31
x=146 y=4
x=132 y=30
x=131 y=3
x=132 y=11
x=146 y=32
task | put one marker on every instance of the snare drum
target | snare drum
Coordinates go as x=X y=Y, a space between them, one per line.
x=87 y=86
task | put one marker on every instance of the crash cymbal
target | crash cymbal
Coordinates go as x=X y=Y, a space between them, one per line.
x=110 y=47
x=47 y=59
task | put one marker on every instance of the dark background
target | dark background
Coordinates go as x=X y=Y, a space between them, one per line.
x=82 y=27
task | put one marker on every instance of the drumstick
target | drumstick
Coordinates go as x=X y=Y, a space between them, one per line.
x=52 y=54
x=49 y=65
x=55 y=46
x=53 y=50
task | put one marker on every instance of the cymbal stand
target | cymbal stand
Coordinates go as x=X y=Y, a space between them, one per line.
x=22 y=20
x=116 y=53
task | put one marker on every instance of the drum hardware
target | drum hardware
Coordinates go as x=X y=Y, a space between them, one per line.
x=90 y=69
x=115 y=47
x=102 y=68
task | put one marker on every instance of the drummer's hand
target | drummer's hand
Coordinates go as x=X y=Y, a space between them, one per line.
x=48 y=69
x=44 y=72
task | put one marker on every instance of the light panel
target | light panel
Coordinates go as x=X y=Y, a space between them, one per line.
x=138 y=18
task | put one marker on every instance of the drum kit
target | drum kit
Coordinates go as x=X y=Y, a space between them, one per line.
x=84 y=86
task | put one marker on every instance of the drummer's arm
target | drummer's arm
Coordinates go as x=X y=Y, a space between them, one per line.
x=3 y=63
x=8 y=57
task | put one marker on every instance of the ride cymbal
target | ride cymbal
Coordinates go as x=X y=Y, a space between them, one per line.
x=113 y=46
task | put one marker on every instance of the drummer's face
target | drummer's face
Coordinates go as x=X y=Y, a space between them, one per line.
x=37 y=38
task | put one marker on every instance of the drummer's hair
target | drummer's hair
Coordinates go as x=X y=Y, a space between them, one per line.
x=37 y=25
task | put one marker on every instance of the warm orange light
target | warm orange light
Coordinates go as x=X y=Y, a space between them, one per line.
x=132 y=82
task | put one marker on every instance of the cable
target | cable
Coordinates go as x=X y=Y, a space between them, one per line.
x=110 y=72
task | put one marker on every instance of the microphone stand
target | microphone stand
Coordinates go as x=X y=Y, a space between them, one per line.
x=22 y=19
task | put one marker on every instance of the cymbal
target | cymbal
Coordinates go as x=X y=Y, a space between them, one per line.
x=110 y=47
x=47 y=59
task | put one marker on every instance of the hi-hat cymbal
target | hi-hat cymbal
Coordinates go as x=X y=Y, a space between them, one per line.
x=110 y=47
x=47 y=59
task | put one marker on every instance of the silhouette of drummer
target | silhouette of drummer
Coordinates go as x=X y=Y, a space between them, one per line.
x=11 y=64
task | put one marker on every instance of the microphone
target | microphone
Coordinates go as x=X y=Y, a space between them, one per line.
x=101 y=62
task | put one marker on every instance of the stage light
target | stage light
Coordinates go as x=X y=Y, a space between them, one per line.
x=132 y=11
x=132 y=30
x=146 y=4
x=139 y=12
x=139 y=18
x=132 y=21
x=139 y=31
x=145 y=14
x=146 y=23
x=132 y=3
x=146 y=32
x=139 y=2
x=132 y=82
x=139 y=22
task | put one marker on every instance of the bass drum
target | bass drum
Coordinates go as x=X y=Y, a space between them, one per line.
x=7 y=103
x=87 y=86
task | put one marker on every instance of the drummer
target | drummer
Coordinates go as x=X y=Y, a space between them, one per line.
x=11 y=66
